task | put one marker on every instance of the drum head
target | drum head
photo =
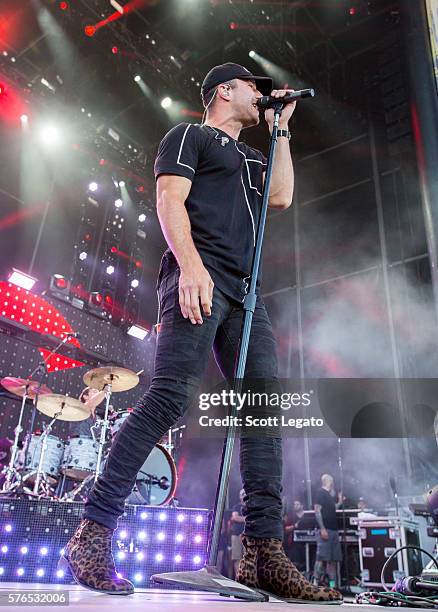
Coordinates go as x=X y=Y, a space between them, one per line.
x=157 y=479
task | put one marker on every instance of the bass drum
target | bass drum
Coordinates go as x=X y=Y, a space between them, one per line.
x=156 y=480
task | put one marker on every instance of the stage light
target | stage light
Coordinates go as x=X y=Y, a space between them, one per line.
x=93 y=186
x=44 y=550
x=118 y=203
x=2 y=89
x=199 y=518
x=233 y=25
x=141 y=535
x=83 y=256
x=352 y=11
x=161 y=536
x=252 y=53
x=119 y=574
x=197 y=560
x=49 y=135
x=20 y=571
x=63 y=6
x=40 y=572
x=143 y=515
x=119 y=8
x=179 y=537
x=134 y=283
x=90 y=30
x=4 y=549
x=121 y=555
x=138 y=577
x=122 y=184
x=178 y=558
x=8 y=528
x=123 y=535
x=24 y=119
x=159 y=557
x=142 y=218
x=140 y=556
x=162 y=516
x=198 y=539
x=61 y=552
x=137 y=78
x=110 y=269
x=114 y=50
x=60 y=574
x=2 y=571
x=136 y=331
x=166 y=102
x=24 y=550
x=21 y=279
x=180 y=518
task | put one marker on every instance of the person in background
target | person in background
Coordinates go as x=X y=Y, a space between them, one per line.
x=295 y=550
x=328 y=551
x=91 y=398
x=237 y=521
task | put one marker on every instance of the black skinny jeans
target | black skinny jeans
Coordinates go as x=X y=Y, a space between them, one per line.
x=182 y=354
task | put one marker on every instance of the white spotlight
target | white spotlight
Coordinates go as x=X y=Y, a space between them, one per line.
x=110 y=269
x=24 y=118
x=142 y=218
x=118 y=203
x=21 y=279
x=166 y=102
x=137 y=78
x=93 y=186
x=252 y=53
x=137 y=332
x=122 y=183
x=135 y=283
x=83 y=256
x=49 y=135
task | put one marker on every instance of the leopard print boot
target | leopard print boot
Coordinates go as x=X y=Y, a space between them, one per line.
x=88 y=557
x=247 y=570
x=278 y=576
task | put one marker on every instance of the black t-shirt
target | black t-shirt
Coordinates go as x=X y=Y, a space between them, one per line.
x=235 y=527
x=224 y=201
x=328 y=509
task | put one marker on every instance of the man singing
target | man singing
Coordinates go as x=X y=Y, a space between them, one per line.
x=209 y=188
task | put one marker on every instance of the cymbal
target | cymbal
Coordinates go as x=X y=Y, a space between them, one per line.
x=17 y=386
x=121 y=379
x=70 y=409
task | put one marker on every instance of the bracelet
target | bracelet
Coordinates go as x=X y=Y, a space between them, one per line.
x=284 y=133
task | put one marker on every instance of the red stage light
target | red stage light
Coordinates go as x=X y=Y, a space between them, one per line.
x=63 y=6
x=90 y=30
x=108 y=300
x=115 y=50
x=87 y=237
x=102 y=162
x=2 y=89
x=113 y=249
x=233 y=25
x=60 y=281
x=352 y=11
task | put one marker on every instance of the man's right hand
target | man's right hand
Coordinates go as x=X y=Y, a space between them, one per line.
x=195 y=288
x=324 y=534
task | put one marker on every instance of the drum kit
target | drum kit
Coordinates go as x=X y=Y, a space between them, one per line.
x=48 y=467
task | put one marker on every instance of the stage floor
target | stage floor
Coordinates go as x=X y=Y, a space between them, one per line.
x=162 y=600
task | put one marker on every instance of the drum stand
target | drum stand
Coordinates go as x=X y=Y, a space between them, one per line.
x=11 y=471
x=41 y=479
x=104 y=427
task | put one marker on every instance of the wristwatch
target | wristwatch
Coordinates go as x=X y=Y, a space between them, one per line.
x=284 y=133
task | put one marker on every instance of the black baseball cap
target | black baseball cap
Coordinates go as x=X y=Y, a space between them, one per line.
x=228 y=72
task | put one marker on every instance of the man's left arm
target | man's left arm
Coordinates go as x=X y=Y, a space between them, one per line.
x=282 y=181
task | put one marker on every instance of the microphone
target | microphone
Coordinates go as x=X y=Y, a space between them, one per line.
x=270 y=101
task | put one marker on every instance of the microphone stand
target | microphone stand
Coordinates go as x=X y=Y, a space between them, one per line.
x=41 y=371
x=208 y=578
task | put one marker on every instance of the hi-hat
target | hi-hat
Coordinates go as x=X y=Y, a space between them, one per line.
x=66 y=408
x=121 y=379
x=17 y=386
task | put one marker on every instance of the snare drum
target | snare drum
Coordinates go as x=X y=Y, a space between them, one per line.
x=80 y=458
x=52 y=456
